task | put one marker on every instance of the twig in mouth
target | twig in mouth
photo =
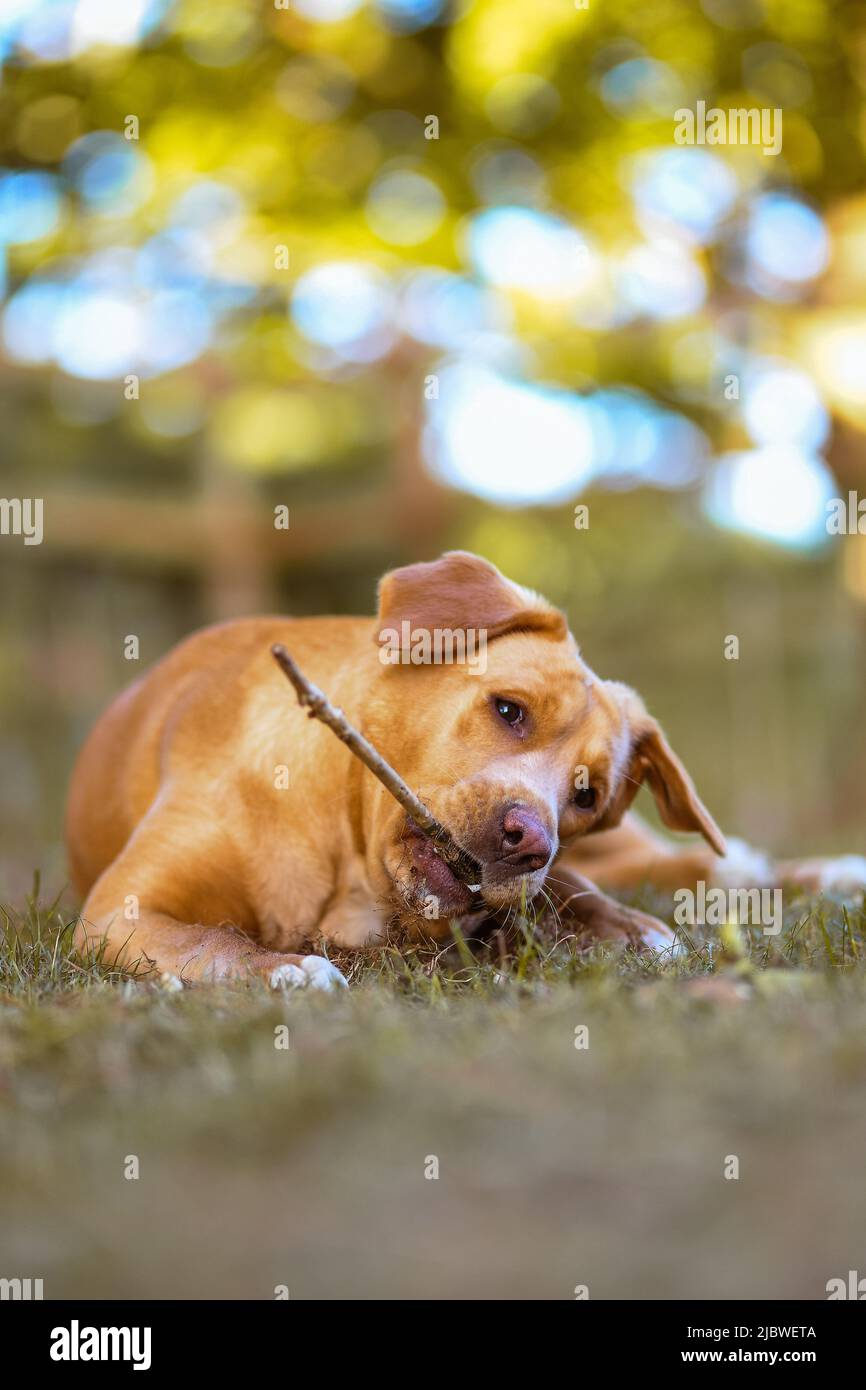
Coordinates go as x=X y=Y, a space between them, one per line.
x=318 y=706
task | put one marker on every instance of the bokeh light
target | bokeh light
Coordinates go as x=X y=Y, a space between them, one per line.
x=778 y=493
x=660 y=279
x=519 y=249
x=109 y=173
x=508 y=441
x=404 y=208
x=682 y=191
x=30 y=206
x=781 y=405
x=346 y=306
x=786 y=244
x=836 y=351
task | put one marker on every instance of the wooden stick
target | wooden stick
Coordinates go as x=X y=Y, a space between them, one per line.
x=318 y=706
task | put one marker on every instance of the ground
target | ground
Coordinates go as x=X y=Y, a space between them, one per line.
x=289 y=1141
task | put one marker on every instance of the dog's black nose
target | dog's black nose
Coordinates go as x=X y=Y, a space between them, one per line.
x=526 y=845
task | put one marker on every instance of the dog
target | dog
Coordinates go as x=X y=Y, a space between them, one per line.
x=216 y=832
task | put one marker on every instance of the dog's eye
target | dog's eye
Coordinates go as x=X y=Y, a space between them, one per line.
x=509 y=710
x=585 y=798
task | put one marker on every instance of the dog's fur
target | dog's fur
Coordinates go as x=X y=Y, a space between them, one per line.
x=215 y=830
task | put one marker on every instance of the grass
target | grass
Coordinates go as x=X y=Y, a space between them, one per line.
x=262 y=1165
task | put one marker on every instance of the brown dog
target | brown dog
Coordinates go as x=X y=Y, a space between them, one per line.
x=214 y=828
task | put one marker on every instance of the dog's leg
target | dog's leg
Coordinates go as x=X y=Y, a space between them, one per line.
x=590 y=913
x=844 y=874
x=632 y=855
x=143 y=908
x=159 y=945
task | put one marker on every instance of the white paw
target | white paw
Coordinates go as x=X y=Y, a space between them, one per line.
x=287 y=977
x=743 y=867
x=321 y=974
x=845 y=875
x=664 y=944
x=314 y=971
x=171 y=983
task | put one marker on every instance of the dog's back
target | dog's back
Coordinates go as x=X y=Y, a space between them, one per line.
x=120 y=768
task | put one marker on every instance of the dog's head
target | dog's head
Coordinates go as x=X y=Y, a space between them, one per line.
x=517 y=747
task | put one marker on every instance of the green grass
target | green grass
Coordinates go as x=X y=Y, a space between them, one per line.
x=305 y=1166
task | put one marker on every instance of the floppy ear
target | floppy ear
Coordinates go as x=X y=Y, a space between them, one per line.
x=459 y=591
x=679 y=805
x=655 y=763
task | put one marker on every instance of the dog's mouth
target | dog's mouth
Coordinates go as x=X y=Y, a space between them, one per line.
x=432 y=889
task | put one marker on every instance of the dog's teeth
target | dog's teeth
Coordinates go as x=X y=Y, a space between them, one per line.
x=474 y=887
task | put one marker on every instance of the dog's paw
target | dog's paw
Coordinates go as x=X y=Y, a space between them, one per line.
x=313 y=972
x=845 y=875
x=172 y=984
x=743 y=867
x=648 y=933
x=663 y=943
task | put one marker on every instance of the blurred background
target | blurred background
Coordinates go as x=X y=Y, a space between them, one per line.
x=433 y=275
